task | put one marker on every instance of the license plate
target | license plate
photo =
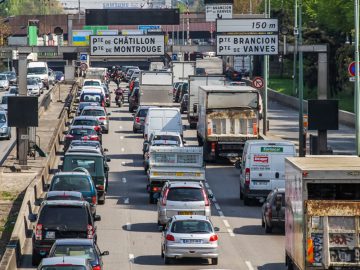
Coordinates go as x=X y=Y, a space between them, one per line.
x=179 y=174
x=192 y=241
x=50 y=235
x=187 y=213
x=260 y=183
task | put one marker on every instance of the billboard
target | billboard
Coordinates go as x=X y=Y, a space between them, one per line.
x=144 y=45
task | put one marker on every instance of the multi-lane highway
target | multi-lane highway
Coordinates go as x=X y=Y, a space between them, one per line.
x=129 y=231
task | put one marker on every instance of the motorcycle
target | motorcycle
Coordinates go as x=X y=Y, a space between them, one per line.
x=119 y=97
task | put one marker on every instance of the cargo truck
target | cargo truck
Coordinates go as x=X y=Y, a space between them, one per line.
x=182 y=70
x=156 y=88
x=228 y=116
x=170 y=163
x=194 y=83
x=210 y=65
x=322 y=218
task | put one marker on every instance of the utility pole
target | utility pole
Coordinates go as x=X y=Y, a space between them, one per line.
x=187 y=23
x=266 y=76
x=296 y=33
x=357 y=79
x=79 y=6
x=302 y=141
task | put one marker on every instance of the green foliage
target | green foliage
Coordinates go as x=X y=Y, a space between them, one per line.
x=30 y=7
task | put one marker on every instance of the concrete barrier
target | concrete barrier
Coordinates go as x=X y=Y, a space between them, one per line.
x=22 y=229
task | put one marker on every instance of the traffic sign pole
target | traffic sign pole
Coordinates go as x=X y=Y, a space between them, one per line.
x=357 y=81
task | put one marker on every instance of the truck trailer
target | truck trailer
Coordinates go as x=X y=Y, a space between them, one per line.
x=322 y=216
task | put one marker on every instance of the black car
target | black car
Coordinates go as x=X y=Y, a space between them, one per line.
x=134 y=99
x=182 y=90
x=80 y=133
x=79 y=247
x=184 y=103
x=273 y=210
x=60 y=219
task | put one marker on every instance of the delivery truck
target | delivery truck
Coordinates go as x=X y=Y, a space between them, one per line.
x=156 y=88
x=182 y=70
x=194 y=83
x=210 y=65
x=322 y=214
x=228 y=117
x=173 y=163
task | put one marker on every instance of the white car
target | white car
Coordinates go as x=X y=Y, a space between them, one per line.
x=33 y=88
x=4 y=82
x=39 y=82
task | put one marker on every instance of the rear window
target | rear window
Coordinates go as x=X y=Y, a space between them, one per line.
x=93 y=113
x=73 y=217
x=91 y=97
x=85 y=122
x=88 y=164
x=85 y=143
x=142 y=113
x=83 y=251
x=185 y=194
x=64 y=267
x=191 y=226
x=71 y=183
x=91 y=83
x=82 y=132
x=63 y=197
x=166 y=138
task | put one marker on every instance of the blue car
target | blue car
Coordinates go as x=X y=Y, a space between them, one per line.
x=84 y=248
x=76 y=181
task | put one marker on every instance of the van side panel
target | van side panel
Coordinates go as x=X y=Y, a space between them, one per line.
x=163 y=120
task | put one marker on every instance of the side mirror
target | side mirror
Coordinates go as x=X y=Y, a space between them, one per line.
x=32 y=217
x=216 y=229
x=108 y=159
x=97 y=218
x=109 y=114
x=211 y=196
x=106 y=150
x=67 y=124
x=61 y=158
x=105 y=253
x=238 y=164
x=60 y=167
x=49 y=73
x=64 y=132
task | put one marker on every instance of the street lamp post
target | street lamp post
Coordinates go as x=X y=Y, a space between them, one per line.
x=357 y=79
x=302 y=141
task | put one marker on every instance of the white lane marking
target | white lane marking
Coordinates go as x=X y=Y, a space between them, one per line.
x=214 y=200
x=207 y=185
x=210 y=191
x=217 y=206
x=128 y=226
x=122 y=149
x=126 y=200
x=123 y=163
x=121 y=137
x=231 y=232
x=131 y=258
x=226 y=223
x=120 y=127
x=249 y=265
x=124 y=180
x=221 y=214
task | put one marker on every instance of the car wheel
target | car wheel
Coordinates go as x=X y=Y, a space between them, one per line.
x=267 y=228
x=262 y=222
x=36 y=258
x=192 y=125
x=241 y=195
x=214 y=261
x=167 y=260
x=246 y=200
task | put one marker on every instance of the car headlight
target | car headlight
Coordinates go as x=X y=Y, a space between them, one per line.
x=3 y=129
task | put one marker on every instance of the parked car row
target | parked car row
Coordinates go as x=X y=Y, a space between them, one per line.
x=65 y=225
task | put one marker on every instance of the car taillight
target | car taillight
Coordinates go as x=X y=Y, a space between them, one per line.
x=102 y=118
x=254 y=126
x=100 y=187
x=94 y=138
x=90 y=232
x=69 y=136
x=163 y=202
x=93 y=199
x=137 y=119
x=96 y=267
x=206 y=199
x=247 y=176
x=38 y=232
x=213 y=147
x=213 y=238
x=209 y=128
x=97 y=128
x=170 y=237
x=269 y=212
x=156 y=189
x=102 y=103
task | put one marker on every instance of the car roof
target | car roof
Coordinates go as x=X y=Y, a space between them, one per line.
x=191 y=184
x=64 y=260
x=193 y=217
x=74 y=241
x=81 y=127
x=89 y=143
x=270 y=142
x=93 y=108
x=83 y=154
x=65 y=203
x=63 y=193
x=171 y=133
x=85 y=117
x=70 y=173
x=84 y=149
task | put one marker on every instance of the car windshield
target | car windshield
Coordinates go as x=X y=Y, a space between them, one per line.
x=36 y=70
x=185 y=194
x=63 y=267
x=93 y=112
x=166 y=138
x=4 y=100
x=67 y=217
x=86 y=163
x=2 y=77
x=31 y=82
x=85 y=122
x=142 y=112
x=91 y=98
x=87 y=252
x=191 y=226
x=82 y=131
x=70 y=183
x=91 y=83
x=2 y=118
x=13 y=90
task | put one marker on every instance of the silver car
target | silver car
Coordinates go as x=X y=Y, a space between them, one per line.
x=182 y=198
x=5 y=130
x=4 y=82
x=189 y=237
x=100 y=113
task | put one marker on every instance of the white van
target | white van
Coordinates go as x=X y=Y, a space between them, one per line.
x=162 y=119
x=40 y=69
x=263 y=168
